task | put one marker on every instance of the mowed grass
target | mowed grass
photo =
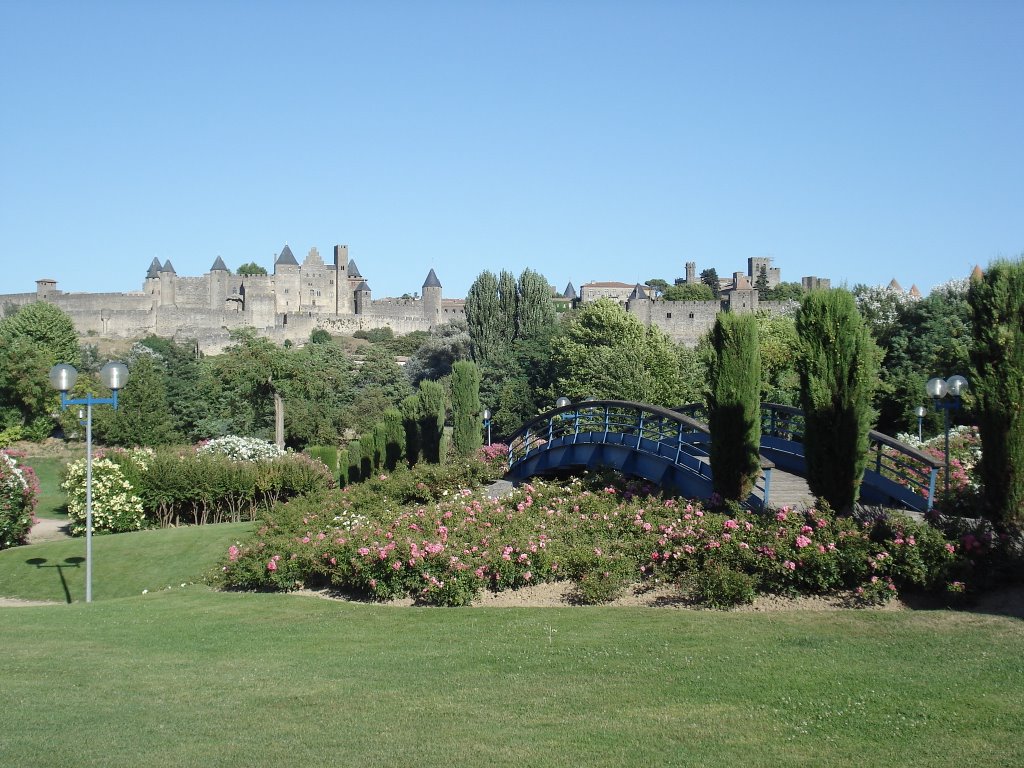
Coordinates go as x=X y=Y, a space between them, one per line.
x=53 y=501
x=191 y=677
x=124 y=564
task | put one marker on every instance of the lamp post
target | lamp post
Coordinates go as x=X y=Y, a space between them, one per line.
x=920 y=411
x=62 y=378
x=937 y=389
x=487 y=423
x=562 y=402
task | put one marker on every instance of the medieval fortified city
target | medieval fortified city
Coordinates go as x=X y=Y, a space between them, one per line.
x=297 y=299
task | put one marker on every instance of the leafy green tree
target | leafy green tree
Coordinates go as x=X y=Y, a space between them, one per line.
x=688 y=292
x=143 y=417
x=782 y=292
x=659 y=285
x=997 y=357
x=317 y=382
x=710 y=278
x=838 y=364
x=929 y=337
x=466 y=435
x=608 y=353
x=431 y=409
x=239 y=387
x=182 y=369
x=734 y=406
x=534 y=309
x=32 y=340
x=380 y=384
x=434 y=359
x=250 y=269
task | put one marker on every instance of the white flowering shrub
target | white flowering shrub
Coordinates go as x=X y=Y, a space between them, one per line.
x=19 y=492
x=881 y=305
x=242 y=448
x=115 y=504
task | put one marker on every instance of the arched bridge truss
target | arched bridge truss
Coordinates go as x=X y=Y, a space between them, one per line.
x=670 y=449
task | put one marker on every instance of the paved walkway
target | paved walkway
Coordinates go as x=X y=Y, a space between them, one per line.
x=49 y=530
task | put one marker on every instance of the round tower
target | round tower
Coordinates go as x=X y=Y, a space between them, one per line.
x=432 y=298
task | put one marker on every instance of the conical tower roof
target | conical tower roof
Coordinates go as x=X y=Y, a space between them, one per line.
x=638 y=293
x=154 y=268
x=168 y=267
x=976 y=273
x=895 y=285
x=286 y=257
x=915 y=292
x=431 y=281
x=362 y=286
x=570 y=292
x=219 y=266
x=352 y=270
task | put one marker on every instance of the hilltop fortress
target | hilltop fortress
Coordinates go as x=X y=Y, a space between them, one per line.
x=297 y=299
x=287 y=305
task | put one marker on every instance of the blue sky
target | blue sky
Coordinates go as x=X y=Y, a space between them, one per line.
x=859 y=141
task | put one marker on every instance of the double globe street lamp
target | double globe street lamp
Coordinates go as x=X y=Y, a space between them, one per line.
x=62 y=378
x=938 y=389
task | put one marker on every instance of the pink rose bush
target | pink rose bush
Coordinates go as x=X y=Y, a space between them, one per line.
x=19 y=494
x=601 y=536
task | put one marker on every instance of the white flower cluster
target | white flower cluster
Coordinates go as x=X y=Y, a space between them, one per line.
x=881 y=305
x=242 y=448
x=350 y=520
x=115 y=506
x=11 y=475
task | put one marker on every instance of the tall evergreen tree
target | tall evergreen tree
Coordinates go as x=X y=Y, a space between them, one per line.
x=997 y=357
x=534 y=309
x=734 y=405
x=431 y=407
x=394 y=438
x=483 y=316
x=838 y=366
x=710 y=278
x=507 y=291
x=355 y=461
x=411 y=424
x=466 y=434
x=142 y=416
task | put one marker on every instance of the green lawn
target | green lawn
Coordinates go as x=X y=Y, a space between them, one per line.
x=191 y=677
x=52 y=500
x=123 y=564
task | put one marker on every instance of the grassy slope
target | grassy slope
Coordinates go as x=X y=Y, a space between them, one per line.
x=123 y=564
x=52 y=500
x=190 y=677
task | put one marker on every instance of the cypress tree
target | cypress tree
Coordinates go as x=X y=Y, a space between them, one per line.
x=394 y=438
x=838 y=366
x=369 y=446
x=432 y=412
x=379 y=445
x=734 y=406
x=411 y=424
x=355 y=461
x=997 y=359
x=466 y=433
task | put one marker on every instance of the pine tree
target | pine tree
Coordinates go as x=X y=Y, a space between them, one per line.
x=734 y=406
x=710 y=278
x=466 y=434
x=997 y=358
x=838 y=363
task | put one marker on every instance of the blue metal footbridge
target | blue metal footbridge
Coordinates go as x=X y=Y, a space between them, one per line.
x=669 y=448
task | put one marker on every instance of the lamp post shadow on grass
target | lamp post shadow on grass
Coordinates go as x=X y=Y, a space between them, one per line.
x=69 y=562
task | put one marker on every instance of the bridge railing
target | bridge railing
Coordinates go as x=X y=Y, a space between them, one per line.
x=647 y=429
x=890 y=459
